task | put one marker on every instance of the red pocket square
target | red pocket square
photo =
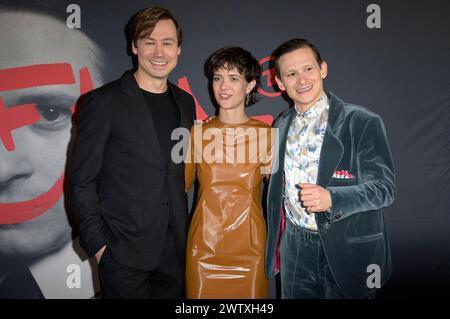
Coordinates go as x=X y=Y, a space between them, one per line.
x=343 y=174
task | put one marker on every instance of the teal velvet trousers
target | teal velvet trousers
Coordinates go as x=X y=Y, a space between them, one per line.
x=305 y=273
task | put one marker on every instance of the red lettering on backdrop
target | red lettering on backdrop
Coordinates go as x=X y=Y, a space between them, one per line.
x=269 y=74
x=18 y=116
x=14 y=213
x=183 y=83
x=86 y=83
x=36 y=75
x=13 y=118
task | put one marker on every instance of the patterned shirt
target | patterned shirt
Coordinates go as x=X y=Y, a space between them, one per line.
x=303 y=146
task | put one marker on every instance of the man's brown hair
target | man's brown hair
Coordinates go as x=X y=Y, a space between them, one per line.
x=290 y=46
x=143 y=23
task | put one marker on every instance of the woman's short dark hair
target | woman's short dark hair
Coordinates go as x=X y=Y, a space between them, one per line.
x=239 y=58
x=290 y=46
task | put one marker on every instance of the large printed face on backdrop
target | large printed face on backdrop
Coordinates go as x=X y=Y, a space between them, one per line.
x=44 y=66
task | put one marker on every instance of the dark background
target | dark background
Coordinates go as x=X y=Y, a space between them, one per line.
x=400 y=71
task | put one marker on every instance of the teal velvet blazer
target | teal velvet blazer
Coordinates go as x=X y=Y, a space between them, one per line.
x=353 y=233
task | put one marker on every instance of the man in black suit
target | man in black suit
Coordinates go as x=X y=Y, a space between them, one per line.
x=127 y=193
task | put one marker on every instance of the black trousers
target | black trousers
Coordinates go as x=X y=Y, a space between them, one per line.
x=166 y=281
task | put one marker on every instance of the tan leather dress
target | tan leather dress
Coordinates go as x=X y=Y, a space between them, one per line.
x=227 y=234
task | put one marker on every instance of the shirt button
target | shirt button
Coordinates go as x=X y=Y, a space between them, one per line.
x=165 y=203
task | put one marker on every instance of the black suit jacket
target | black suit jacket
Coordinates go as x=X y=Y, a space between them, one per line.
x=123 y=192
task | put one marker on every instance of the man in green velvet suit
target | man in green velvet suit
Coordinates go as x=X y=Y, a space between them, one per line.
x=326 y=230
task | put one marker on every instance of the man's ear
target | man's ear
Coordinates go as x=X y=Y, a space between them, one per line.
x=280 y=83
x=179 y=50
x=133 y=47
x=324 y=70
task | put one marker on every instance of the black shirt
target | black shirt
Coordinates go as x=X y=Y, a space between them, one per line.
x=166 y=118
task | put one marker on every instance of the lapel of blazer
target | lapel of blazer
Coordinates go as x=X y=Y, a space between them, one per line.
x=277 y=176
x=283 y=127
x=136 y=106
x=185 y=119
x=332 y=147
